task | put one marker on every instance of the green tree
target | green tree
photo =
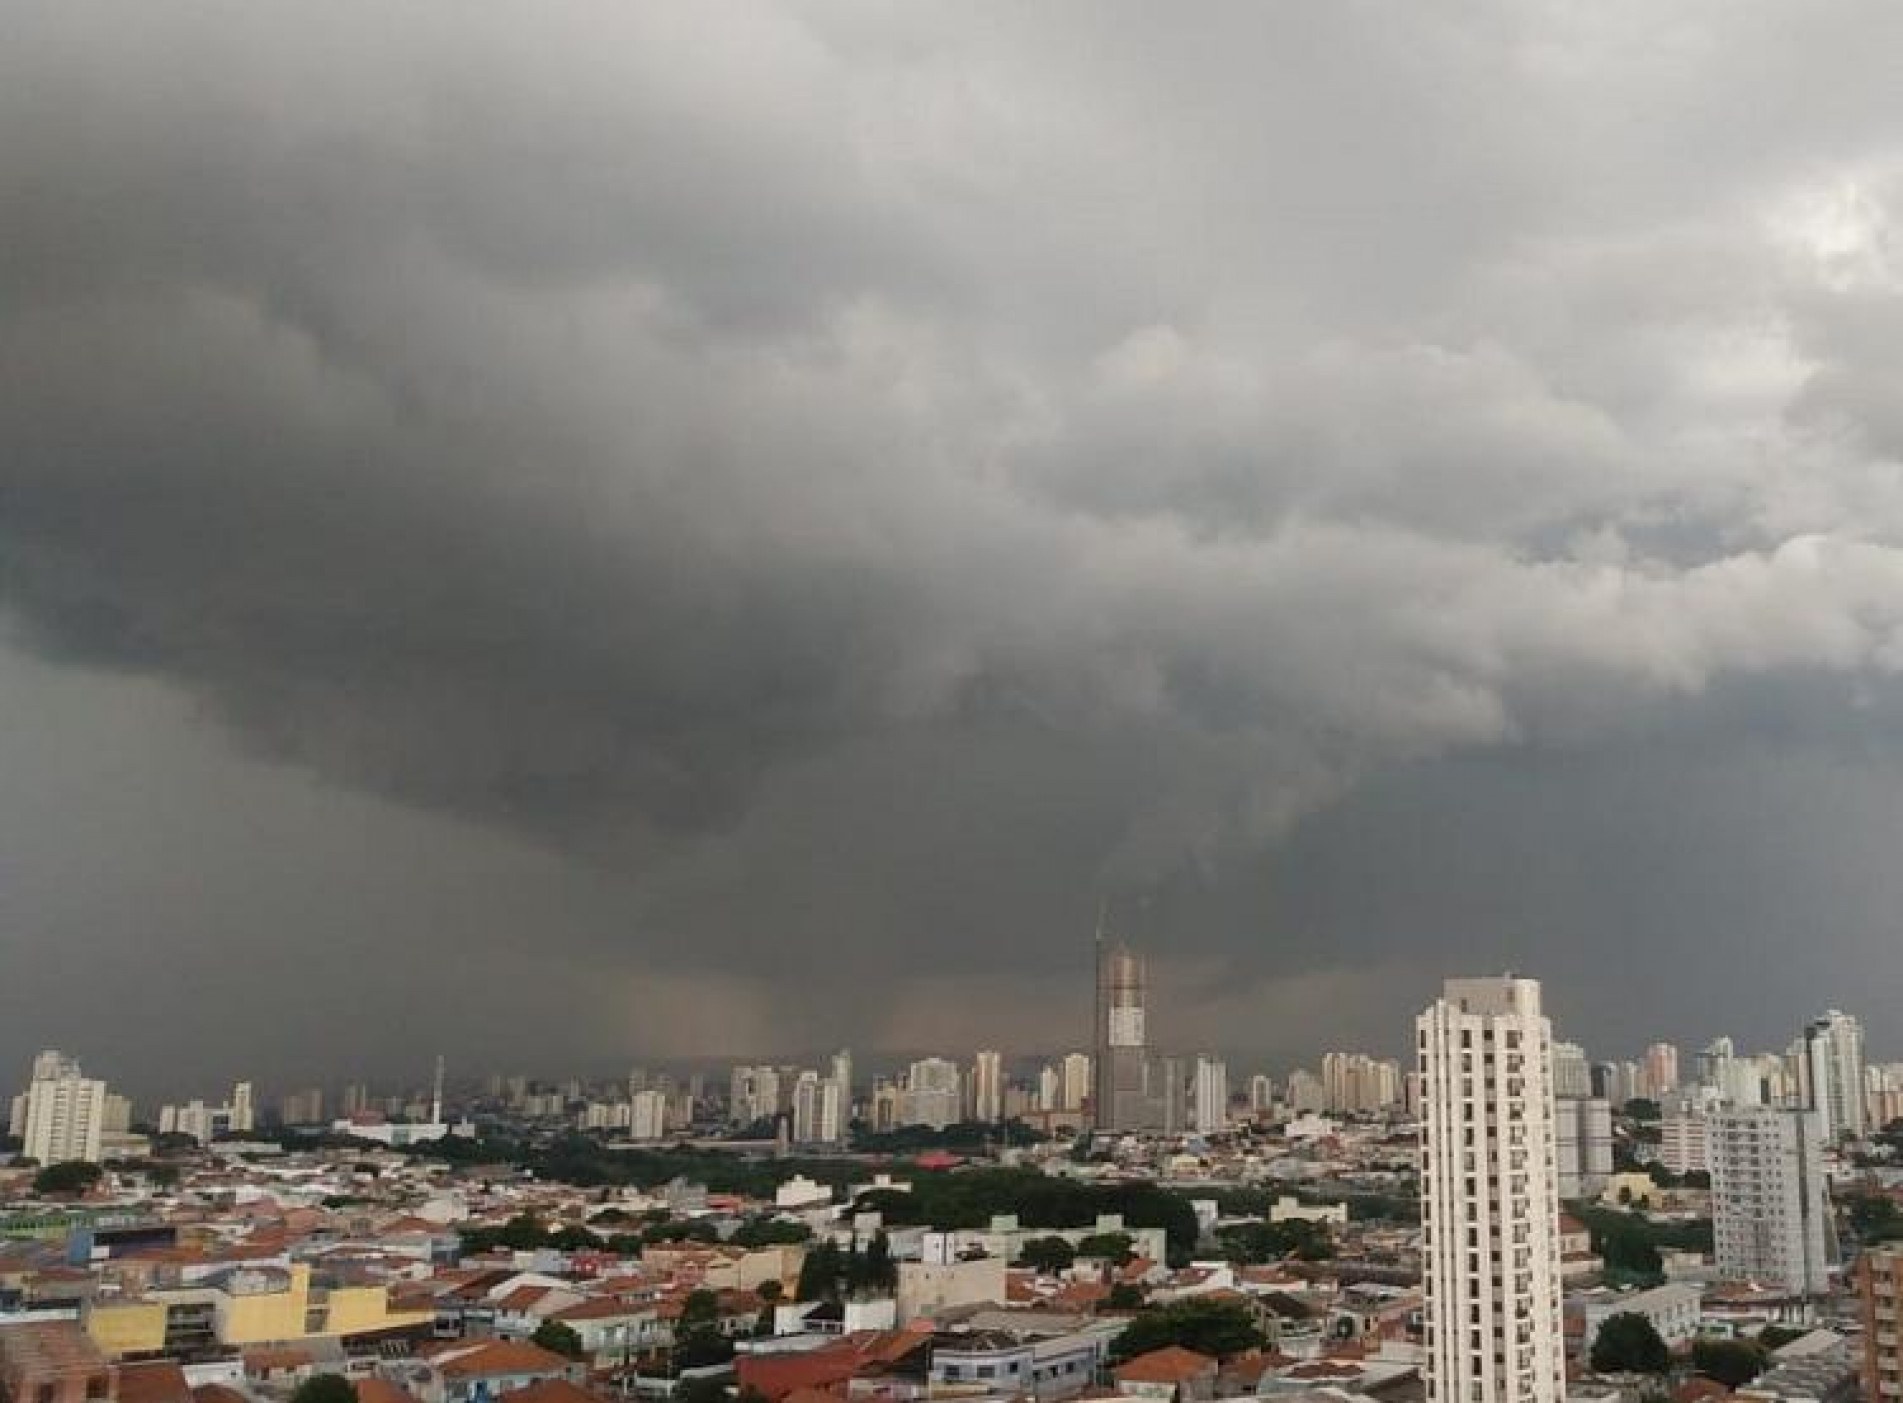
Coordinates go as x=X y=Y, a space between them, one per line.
x=820 y=1273
x=1628 y=1343
x=1271 y=1242
x=325 y=1388
x=1733 y=1363
x=558 y=1337
x=1047 y=1254
x=770 y=1232
x=1213 y=1327
x=67 y=1178
x=1642 y=1108
x=1125 y=1295
x=1117 y=1247
x=770 y=1290
x=881 y=1271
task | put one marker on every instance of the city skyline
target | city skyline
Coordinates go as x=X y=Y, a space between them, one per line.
x=614 y=546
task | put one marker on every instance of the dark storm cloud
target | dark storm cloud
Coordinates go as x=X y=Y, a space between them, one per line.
x=873 y=479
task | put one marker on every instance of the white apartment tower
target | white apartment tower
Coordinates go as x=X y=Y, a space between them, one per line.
x=64 y=1112
x=1831 y=1073
x=1769 y=1214
x=1490 y=1206
x=1210 y=1105
x=987 y=1087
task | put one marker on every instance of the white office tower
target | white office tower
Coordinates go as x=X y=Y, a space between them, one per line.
x=1210 y=1102
x=1490 y=1206
x=1831 y=1073
x=987 y=1087
x=1582 y=1135
x=64 y=1114
x=1769 y=1213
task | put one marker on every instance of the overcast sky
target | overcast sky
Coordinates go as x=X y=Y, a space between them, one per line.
x=571 y=534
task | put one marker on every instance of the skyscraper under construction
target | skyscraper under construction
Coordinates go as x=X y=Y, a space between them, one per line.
x=1121 y=1097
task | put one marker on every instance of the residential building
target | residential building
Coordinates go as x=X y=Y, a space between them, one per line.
x=1572 y=1073
x=1489 y=1194
x=987 y=1086
x=64 y=1112
x=1659 y=1071
x=1685 y=1142
x=1210 y=1103
x=932 y=1093
x=1769 y=1212
x=1830 y=1073
x=1075 y=1073
x=1880 y=1291
x=1582 y=1128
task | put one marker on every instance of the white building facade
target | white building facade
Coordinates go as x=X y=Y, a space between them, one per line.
x=1489 y=1196
x=1768 y=1204
x=64 y=1112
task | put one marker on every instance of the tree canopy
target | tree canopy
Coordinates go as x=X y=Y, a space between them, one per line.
x=73 y=1176
x=1047 y=1254
x=1732 y=1363
x=325 y=1388
x=1628 y=1343
x=1213 y=1327
x=558 y=1337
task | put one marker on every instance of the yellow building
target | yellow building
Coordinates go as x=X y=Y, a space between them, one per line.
x=247 y=1306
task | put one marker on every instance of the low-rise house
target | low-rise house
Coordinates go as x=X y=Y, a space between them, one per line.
x=1168 y=1375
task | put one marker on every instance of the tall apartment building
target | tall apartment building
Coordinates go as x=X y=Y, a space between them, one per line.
x=1355 y=1082
x=1685 y=1142
x=1880 y=1291
x=806 y=1107
x=1768 y=1206
x=1490 y=1206
x=1209 y=1101
x=933 y=1093
x=63 y=1114
x=1075 y=1074
x=987 y=1086
x=1830 y=1073
x=1572 y=1073
x=1582 y=1135
x=1659 y=1071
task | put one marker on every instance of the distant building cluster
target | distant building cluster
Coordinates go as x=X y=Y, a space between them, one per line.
x=1483 y=1222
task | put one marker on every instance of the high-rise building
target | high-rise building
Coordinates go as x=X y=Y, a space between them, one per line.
x=1355 y=1083
x=1121 y=1098
x=987 y=1087
x=754 y=1094
x=806 y=1108
x=1768 y=1207
x=1582 y=1140
x=302 y=1107
x=1075 y=1073
x=1659 y=1074
x=1261 y=1094
x=1490 y=1220
x=1830 y=1072
x=836 y=1122
x=1685 y=1142
x=1306 y=1092
x=932 y=1093
x=1572 y=1073
x=64 y=1113
x=647 y=1115
x=1209 y=1109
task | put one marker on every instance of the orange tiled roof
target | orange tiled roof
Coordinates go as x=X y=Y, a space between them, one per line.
x=1170 y=1365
